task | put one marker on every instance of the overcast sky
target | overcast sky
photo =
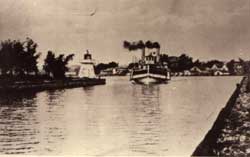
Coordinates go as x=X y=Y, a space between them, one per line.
x=204 y=29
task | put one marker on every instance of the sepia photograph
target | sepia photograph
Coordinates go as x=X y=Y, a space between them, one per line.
x=124 y=78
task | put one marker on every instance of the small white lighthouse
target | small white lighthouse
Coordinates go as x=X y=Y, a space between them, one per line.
x=87 y=67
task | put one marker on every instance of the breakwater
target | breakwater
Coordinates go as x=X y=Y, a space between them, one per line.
x=230 y=134
x=49 y=84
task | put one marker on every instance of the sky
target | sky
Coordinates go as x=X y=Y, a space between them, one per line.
x=203 y=29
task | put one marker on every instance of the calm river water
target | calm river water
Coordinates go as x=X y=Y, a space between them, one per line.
x=118 y=118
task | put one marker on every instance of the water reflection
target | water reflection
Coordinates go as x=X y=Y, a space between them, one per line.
x=116 y=119
x=50 y=115
x=145 y=136
x=17 y=120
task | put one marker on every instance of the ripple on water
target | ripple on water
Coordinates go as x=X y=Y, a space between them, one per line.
x=116 y=119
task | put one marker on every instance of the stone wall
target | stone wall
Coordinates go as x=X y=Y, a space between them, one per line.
x=230 y=134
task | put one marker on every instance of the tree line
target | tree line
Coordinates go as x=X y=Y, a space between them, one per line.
x=103 y=66
x=20 y=58
x=185 y=62
x=182 y=62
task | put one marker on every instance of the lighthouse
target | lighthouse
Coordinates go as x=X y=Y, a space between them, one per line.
x=87 y=67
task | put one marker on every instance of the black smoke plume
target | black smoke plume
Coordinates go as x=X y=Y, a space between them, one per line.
x=131 y=46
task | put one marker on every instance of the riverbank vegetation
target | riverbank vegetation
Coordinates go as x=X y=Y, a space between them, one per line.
x=19 y=62
x=185 y=65
x=104 y=66
x=18 y=58
x=56 y=66
x=19 y=69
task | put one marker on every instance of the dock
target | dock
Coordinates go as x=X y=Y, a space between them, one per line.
x=50 y=84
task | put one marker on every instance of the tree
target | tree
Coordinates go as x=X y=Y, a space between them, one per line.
x=56 y=66
x=231 y=67
x=30 y=56
x=185 y=62
x=245 y=65
x=7 y=57
x=49 y=63
x=113 y=65
x=19 y=57
x=214 y=62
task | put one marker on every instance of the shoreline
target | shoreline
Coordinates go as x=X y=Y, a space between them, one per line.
x=228 y=135
x=50 y=84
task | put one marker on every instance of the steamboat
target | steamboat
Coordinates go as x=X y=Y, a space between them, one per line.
x=150 y=69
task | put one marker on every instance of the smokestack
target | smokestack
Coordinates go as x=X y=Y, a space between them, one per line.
x=158 y=47
x=141 y=45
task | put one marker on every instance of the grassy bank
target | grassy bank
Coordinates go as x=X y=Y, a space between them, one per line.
x=230 y=134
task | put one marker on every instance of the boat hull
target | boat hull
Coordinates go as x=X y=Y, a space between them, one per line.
x=149 y=78
x=150 y=75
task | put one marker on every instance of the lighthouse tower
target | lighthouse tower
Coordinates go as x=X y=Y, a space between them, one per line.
x=87 y=67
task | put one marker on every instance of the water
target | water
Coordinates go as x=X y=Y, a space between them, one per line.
x=118 y=118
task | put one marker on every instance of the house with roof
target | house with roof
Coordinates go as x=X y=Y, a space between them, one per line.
x=195 y=71
x=187 y=73
x=215 y=67
x=219 y=70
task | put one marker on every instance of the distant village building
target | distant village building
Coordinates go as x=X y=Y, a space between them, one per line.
x=221 y=70
x=107 y=72
x=187 y=73
x=122 y=71
x=215 y=68
x=217 y=73
x=119 y=71
x=195 y=71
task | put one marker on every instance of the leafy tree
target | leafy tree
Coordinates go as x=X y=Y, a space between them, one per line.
x=230 y=66
x=30 y=56
x=113 y=65
x=214 y=62
x=185 y=62
x=49 y=63
x=7 y=57
x=19 y=57
x=245 y=65
x=56 y=66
